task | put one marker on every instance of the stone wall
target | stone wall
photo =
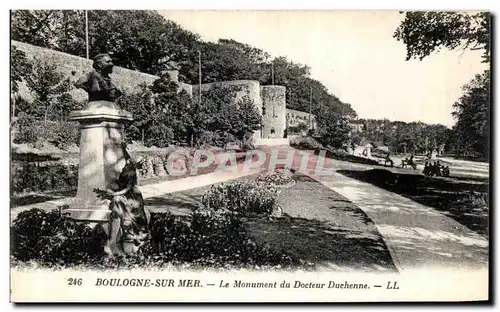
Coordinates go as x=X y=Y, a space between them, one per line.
x=74 y=67
x=274 y=117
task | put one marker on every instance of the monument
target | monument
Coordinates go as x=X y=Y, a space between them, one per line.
x=103 y=154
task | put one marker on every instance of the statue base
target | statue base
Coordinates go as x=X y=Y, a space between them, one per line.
x=101 y=158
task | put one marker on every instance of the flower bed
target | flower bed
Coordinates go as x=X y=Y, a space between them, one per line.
x=278 y=178
x=248 y=198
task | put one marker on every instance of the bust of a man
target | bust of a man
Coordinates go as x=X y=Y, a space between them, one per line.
x=98 y=82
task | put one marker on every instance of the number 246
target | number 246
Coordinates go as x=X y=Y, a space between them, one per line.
x=75 y=281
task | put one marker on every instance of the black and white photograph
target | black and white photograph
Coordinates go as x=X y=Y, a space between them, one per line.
x=249 y=155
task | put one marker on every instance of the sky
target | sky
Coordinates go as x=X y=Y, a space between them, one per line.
x=354 y=54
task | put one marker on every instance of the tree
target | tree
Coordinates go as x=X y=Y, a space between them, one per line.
x=142 y=106
x=140 y=40
x=161 y=114
x=426 y=32
x=356 y=139
x=472 y=113
x=37 y=27
x=228 y=60
x=20 y=67
x=299 y=88
x=333 y=128
x=245 y=118
x=416 y=137
x=136 y=39
x=220 y=119
x=49 y=88
x=144 y=41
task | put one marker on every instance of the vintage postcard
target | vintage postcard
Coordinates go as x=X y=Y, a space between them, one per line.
x=249 y=156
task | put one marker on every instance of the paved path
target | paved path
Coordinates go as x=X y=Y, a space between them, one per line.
x=153 y=190
x=417 y=235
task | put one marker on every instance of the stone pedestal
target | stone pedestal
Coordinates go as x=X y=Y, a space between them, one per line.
x=101 y=158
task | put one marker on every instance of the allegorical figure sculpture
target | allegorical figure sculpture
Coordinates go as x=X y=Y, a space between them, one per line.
x=129 y=221
x=98 y=82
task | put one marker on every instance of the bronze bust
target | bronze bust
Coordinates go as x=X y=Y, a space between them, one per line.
x=98 y=82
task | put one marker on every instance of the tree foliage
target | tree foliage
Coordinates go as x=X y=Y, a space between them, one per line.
x=161 y=114
x=145 y=41
x=426 y=32
x=165 y=115
x=333 y=129
x=20 y=67
x=221 y=119
x=302 y=90
x=228 y=60
x=413 y=137
x=49 y=88
x=136 y=39
x=472 y=112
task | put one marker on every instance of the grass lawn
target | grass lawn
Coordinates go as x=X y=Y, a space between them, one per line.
x=319 y=227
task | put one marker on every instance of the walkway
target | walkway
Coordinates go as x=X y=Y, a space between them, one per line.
x=417 y=235
x=154 y=190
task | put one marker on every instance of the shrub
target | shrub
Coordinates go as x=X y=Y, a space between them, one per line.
x=213 y=238
x=68 y=133
x=32 y=177
x=305 y=143
x=50 y=239
x=216 y=138
x=25 y=132
x=278 y=177
x=207 y=234
x=299 y=128
x=159 y=134
x=206 y=238
x=245 y=197
x=61 y=134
